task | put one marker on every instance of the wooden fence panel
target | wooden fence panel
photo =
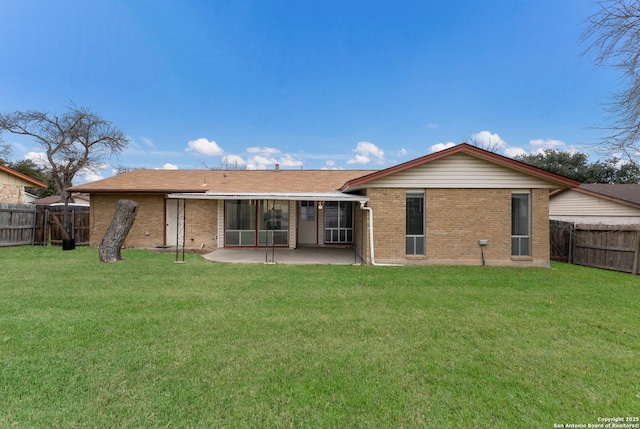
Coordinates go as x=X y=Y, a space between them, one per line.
x=612 y=247
x=17 y=224
x=79 y=218
x=42 y=232
x=560 y=234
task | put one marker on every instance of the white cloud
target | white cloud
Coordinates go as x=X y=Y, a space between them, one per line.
x=38 y=158
x=489 y=140
x=359 y=159
x=330 y=165
x=546 y=143
x=365 y=151
x=512 y=152
x=169 y=166
x=431 y=125
x=87 y=176
x=205 y=147
x=441 y=146
x=147 y=141
x=264 y=151
x=289 y=161
x=260 y=162
x=402 y=152
x=233 y=160
x=264 y=162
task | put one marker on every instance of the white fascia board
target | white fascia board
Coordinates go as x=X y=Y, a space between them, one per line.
x=298 y=196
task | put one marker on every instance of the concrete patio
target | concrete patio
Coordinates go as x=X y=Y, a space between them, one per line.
x=300 y=256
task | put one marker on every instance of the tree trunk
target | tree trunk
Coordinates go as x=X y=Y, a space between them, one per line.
x=113 y=239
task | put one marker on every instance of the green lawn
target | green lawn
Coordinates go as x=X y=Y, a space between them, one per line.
x=148 y=343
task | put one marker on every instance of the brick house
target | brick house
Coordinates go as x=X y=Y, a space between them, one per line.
x=463 y=205
x=12 y=184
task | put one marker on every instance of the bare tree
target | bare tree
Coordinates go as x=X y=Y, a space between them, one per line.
x=123 y=169
x=613 y=37
x=226 y=165
x=490 y=143
x=5 y=151
x=77 y=140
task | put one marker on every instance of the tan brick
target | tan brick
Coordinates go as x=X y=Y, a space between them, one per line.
x=456 y=219
x=148 y=230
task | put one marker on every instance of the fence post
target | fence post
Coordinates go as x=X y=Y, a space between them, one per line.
x=636 y=254
x=570 y=257
x=33 y=230
x=46 y=223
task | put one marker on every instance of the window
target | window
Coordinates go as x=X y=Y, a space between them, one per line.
x=248 y=222
x=415 y=223
x=308 y=211
x=338 y=222
x=520 y=224
x=240 y=223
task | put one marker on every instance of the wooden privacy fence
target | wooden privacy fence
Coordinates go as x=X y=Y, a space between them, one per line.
x=28 y=224
x=612 y=247
x=17 y=224
x=50 y=225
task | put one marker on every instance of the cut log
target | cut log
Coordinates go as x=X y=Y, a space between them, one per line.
x=121 y=223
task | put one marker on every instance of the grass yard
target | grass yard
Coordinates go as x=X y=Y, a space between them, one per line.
x=148 y=343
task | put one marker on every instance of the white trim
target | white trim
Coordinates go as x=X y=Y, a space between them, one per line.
x=295 y=196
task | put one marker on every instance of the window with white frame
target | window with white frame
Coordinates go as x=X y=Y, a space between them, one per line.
x=415 y=223
x=240 y=223
x=520 y=224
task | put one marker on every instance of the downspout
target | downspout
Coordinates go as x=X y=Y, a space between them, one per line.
x=373 y=258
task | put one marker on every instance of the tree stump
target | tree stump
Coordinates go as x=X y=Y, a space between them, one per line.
x=121 y=223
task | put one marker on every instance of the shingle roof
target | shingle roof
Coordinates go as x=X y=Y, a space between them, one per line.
x=173 y=181
x=625 y=193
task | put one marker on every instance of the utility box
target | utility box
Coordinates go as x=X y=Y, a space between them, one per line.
x=483 y=242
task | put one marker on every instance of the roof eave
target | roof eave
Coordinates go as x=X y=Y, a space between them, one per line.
x=36 y=183
x=134 y=191
x=284 y=196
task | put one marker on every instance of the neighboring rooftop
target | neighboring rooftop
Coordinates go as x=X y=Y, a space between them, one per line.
x=55 y=199
x=629 y=193
x=30 y=182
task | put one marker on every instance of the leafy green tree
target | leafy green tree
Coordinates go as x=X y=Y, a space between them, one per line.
x=576 y=166
x=572 y=165
x=614 y=170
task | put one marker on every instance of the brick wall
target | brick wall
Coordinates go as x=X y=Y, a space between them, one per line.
x=201 y=226
x=456 y=219
x=361 y=232
x=540 y=247
x=148 y=230
x=389 y=228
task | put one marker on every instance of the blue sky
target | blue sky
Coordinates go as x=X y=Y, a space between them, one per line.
x=306 y=84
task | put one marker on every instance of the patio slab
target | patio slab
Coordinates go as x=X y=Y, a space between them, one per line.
x=301 y=256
